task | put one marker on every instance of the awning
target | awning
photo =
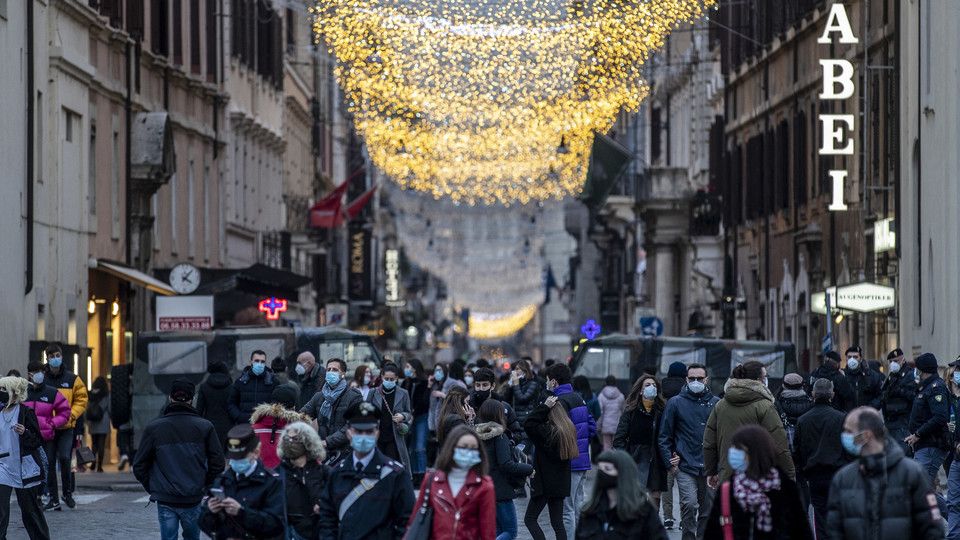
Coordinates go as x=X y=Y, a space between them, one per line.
x=132 y=275
x=259 y=280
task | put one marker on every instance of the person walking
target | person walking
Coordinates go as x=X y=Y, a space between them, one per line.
x=21 y=470
x=581 y=385
x=362 y=381
x=416 y=386
x=671 y=385
x=381 y=507
x=507 y=473
x=50 y=407
x=280 y=372
x=867 y=383
x=246 y=501
x=556 y=440
x=269 y=419
x=178 y=460
x=252 y=387
x=330 y=405
x=97 y=418
x=396 y=416
x=310 y=376
x=558 y=382
x=953 y=470
x=459 y=491
x=441 y=383
x=212 y=399
x=525 y=389
x=929 y=434
x=303 y=476
x=897 y=395
x=760 y=501
x=454 y=411
x=818 y=454
x=792 y=401
x=681 y=448
x=60 y=449
x=483 y=389
x=746 y=400
x=611 y=401
x=883 y=495
x=843 y=396
x=638 y=433
x=618 y=507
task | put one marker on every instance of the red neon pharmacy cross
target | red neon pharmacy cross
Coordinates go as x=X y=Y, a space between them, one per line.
x=273 y=307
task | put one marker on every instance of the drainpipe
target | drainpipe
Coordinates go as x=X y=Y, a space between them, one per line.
x=31 y=138
x=128 y=127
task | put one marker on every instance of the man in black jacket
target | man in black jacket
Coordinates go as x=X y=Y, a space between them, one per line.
x=883 y=495
x=246 y=501
x=843 y=397
x=310 y=375
x=179 y=458
x=897 y=395
x=929 y=435
x=251 y=388
x=866 y=382
x=483 y=383
x=818 y=453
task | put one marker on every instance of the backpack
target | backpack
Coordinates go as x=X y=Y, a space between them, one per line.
x=95 y=411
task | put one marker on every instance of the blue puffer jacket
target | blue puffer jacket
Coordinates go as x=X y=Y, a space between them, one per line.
x=582 y=420
x=681 y=429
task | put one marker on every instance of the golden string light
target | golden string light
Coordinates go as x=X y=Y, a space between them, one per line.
x=492 y=101
x=500 y=325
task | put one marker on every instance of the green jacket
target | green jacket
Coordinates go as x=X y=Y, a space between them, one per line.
x=744 y=402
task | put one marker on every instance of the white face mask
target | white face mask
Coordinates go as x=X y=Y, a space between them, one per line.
x=894 y=367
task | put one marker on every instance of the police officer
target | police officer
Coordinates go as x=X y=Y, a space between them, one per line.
x=897 y=395
x=866 y=382
x=929 y=436
x=368 y=495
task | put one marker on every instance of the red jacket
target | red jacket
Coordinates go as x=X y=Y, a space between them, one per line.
x=268 y=421
x=475 y=504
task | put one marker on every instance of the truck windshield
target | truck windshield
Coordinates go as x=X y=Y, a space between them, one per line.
x=598 y=362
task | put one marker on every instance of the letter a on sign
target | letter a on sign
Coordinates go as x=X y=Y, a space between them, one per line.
x=837 y=21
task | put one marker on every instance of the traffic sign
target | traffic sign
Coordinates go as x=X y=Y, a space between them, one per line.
x=651 y=326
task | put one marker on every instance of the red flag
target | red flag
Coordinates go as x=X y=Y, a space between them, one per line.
x=326 y=214
x=354 y=208
x=335 y=194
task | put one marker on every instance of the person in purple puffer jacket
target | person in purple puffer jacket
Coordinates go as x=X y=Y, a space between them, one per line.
x=51 y=408
x=558 y=382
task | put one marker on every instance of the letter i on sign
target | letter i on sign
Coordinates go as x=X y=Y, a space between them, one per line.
x=838 y=85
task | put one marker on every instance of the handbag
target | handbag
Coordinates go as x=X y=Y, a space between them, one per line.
x=726 y=518
x=85 y=455
x=422 y=526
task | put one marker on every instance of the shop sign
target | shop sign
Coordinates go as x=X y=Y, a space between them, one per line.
x=860 y=297
x=360 y=269
x=837 y=74
x=391 y=268
x=272 y=307
x=184 y=313
x=884 y=237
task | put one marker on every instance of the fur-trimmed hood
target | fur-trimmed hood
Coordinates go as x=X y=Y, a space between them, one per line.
x=274 y=410
x=309 y=436
x=488 y=430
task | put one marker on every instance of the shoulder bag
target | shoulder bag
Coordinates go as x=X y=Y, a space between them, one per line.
x=726 y=517
x=422 y=526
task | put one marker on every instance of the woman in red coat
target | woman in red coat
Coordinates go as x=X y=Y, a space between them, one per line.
x=461 y=494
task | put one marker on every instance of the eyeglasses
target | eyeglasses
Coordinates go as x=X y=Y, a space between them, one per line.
x=701 y=379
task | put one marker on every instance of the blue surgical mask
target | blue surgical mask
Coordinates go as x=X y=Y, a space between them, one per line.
x=848 y=440
x=438 y=375
x=301 y=371
x=696 y=387
x=650 y=392
x=241 y=466
x=737 y=459
x=466 y=457
x=258 y=368
x=468 y=379
x=408 y=373
x=332 y=378
x=956 y=377
x=389 y=385
x=363 y=443
x=55 y=361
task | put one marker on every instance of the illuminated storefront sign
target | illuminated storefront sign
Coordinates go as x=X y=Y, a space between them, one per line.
x=884 y=236
x=273 y=307
x=391 y=267
x=860 y=297
x=837 y=129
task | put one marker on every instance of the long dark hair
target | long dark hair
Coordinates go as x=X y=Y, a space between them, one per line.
x=631 y=496
x=101 y=387
x=760 y=449
x=445 y=457
x=452 y=404
x=752 y=370
x=417 y=366
x=582 y=384
x=635 y=398
x=492 y=411
x=524 y=366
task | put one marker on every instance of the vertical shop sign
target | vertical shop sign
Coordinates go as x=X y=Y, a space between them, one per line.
x=837 y=129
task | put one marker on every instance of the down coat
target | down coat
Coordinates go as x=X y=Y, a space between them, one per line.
x=611 y=407
x=268 y=421
x=582 y=420
x=51 y=408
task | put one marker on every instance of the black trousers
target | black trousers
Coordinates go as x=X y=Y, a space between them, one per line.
x=819 y=483
x=535 y=507
x=30 y=511
x=99 y=448
x=59 y=451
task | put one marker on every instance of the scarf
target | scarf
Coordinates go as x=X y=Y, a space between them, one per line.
x=752 y=496
x=330 y=395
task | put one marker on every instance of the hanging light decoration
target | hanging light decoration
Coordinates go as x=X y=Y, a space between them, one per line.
x=489 y=101
x=490 y=326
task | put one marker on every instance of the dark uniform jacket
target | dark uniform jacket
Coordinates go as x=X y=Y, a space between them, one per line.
x=379 y=514
x=179 y=456
x=930 y=414
x=261 y=496
x=883 y=497
x=897 y=395
x=867 y=385
x=247 y=392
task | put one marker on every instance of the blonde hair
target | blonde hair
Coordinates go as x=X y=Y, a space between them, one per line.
x=564 y=433
x=307 y=435
x=16 y=387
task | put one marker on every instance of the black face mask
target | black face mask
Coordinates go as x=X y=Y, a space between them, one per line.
x=605 y=481
x=4 y=397
x=479 y=396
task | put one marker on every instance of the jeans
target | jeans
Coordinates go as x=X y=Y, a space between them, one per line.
x=30 y=512
x=58 y=452
x=666 y=498
x=953 y=502
x=506 y=520
x=172 y=519
x=557 y=517
x=930 y=459
x=695 y=502
x=573 y=503
x=417 y=441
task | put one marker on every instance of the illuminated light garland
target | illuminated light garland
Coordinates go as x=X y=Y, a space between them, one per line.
x=487 y=326
x=471 y=100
